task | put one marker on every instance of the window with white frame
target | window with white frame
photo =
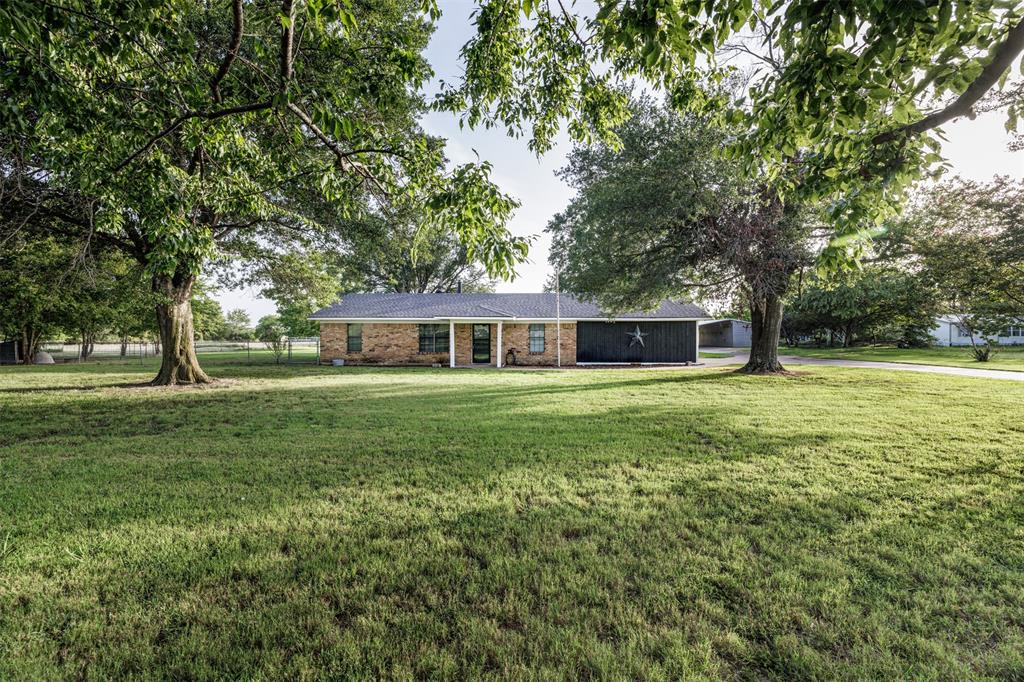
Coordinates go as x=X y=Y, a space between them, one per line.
x=1015 y=330
x=536 y=338
x=355 y=338
x=434 y=338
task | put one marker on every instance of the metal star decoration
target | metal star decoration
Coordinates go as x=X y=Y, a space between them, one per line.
x=636 y=337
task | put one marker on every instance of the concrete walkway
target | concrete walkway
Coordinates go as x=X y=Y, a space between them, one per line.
x=740 y=357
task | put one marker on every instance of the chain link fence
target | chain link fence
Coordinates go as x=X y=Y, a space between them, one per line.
x=291 y=350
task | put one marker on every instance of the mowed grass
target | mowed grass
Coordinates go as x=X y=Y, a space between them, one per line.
x=310 y=522
x=1006 y=358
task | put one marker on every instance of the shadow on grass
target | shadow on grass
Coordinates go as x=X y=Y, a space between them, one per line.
x=418 y=525
x=267 y=444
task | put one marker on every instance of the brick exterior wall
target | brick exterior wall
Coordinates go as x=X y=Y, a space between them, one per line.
x=398 y=344
x=464 y=344
x=518 y=336
x=383 y=344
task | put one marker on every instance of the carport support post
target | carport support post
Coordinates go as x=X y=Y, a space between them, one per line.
x=499 y=344
x=696 y=342
x=451 y=343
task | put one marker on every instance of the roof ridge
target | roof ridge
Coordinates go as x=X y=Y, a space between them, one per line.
x=495 y=310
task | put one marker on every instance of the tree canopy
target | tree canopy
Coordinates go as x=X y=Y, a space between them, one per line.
x=659 y=215
x=50 y=288
x=177 y=131
x=844 y=101
x=966 y=239
x=879 y=304
x=399 y=248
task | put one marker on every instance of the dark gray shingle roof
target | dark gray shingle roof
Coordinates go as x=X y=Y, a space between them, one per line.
x=493 y=306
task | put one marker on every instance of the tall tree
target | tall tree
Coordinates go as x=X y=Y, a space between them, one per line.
x=32 y=298
x=50 y=286
x=660 y=216
x=207 y=314
x=237 y=326
x=401 y=249
x=878 y=303
x=844 y=100
x=175 y=131
x=966 y=239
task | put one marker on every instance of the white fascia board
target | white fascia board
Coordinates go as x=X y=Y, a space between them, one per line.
x=615 y=319
x=635 y=364
x=407 y=320
x=379 y=320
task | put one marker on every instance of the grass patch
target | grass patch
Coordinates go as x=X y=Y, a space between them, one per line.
x=349 y=522
x=706 y=354
x=1007 y=357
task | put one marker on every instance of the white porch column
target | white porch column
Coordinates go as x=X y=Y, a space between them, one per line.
x=451 y=343
x=696 y=343
x=499 y=343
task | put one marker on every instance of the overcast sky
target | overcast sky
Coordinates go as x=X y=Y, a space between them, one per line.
x=976 y=149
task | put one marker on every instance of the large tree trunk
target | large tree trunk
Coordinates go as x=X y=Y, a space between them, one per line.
x=174 y=317
x=85 y=350
x=29 y=344
x=765 y=326
x=26 y=351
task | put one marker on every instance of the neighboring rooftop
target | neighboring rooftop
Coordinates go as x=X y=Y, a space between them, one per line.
x=489 y=306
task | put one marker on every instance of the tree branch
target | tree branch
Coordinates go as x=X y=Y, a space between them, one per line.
x=231 y=54
x=87 y=232
x=341 y=154
x=287 y=39
x=1002 y=58
x=176 y=123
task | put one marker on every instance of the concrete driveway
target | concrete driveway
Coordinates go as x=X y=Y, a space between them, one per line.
x=739 y=357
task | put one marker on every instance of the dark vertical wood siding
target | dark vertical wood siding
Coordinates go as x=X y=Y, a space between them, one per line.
x=609 y=342
x=8 y=352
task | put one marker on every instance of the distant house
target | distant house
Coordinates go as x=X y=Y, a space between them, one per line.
x=948 y=332
x=725 y=333
x=479 y=329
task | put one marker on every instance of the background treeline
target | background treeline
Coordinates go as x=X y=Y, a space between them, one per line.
x=61 y=289
x=957 y=250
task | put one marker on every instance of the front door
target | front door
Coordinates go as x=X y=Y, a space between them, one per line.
x=482 y=343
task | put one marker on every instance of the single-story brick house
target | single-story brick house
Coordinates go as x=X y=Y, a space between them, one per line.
x=479 y=329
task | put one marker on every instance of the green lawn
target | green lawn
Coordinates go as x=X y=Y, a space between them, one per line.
x=257 y=355
x=309 y=522
x=705 y=354
x=1011 y=357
